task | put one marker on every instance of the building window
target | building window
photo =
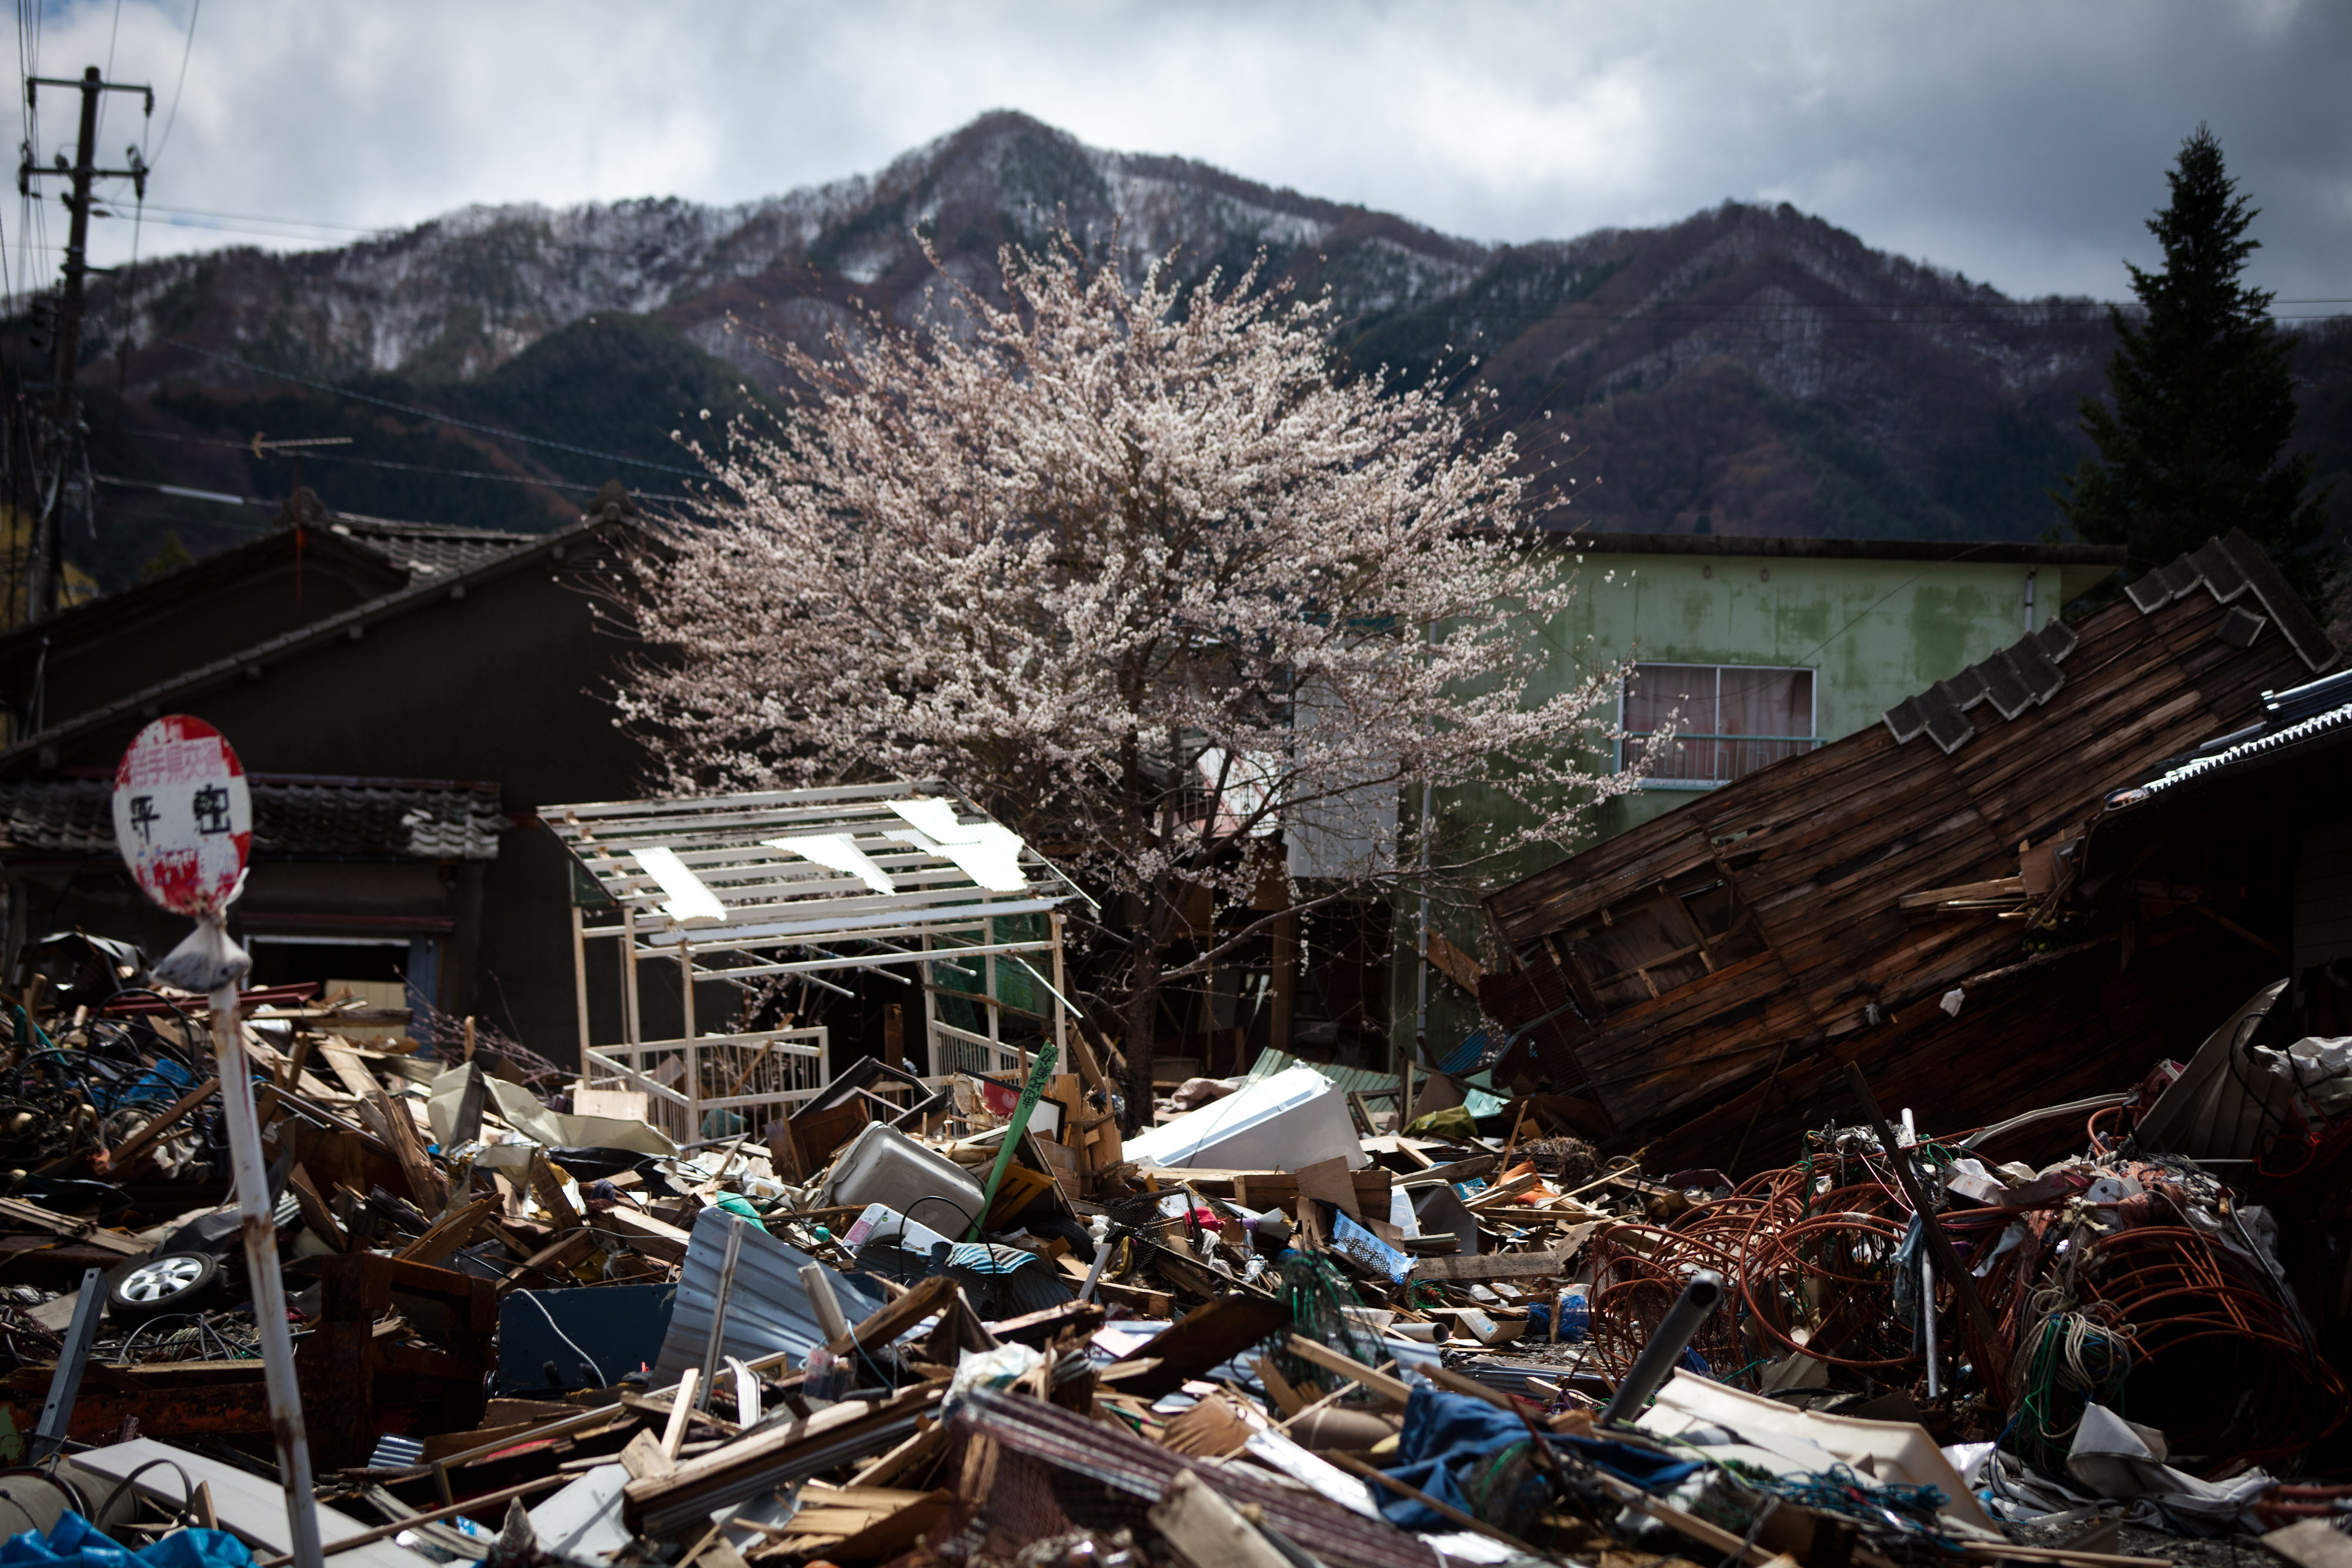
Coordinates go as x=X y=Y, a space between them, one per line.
x=1729 y=720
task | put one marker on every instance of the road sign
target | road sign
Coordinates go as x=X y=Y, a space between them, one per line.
x=183 y=815
x=184 y=820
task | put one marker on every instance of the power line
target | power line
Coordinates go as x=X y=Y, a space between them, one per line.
x=407 y=468
x=436 y=417
x=172 y=117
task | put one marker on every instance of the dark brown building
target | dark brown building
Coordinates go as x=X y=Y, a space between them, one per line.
x=404 y=696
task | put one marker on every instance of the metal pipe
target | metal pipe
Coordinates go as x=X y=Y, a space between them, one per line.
x=65 y=1382
x=580 y=978
x=711 y=1351
x=1664 y=1351
x=1927 y=1264
x=817 y=1280
x=1095 y=1274
x=262 y=1274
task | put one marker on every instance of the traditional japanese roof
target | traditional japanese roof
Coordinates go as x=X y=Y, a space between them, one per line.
x=295 y=817
x=428 y=550
x=2027 y=673
x=1703 y=979
x=474 y=547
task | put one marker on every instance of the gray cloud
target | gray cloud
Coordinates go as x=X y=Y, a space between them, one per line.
x=2022 y=143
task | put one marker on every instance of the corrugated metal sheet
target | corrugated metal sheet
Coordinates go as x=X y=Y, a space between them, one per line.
x=1365 y=1081
x=2224 y=1105
x=767 y=1310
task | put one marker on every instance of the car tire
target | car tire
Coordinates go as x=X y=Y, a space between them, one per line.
x=168 y=1282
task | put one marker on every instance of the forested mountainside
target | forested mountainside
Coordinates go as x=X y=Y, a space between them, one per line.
x=1746 y=370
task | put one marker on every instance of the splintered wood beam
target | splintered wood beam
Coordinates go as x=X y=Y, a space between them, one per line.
x=121 y=1158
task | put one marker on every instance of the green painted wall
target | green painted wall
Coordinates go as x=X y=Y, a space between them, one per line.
x=1874 y=632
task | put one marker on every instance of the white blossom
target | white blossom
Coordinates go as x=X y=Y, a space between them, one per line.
x=1059 y=549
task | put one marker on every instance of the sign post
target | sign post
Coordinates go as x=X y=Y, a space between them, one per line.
x=184 y=820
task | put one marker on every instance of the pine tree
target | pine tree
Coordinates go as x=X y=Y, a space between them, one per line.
x=2203 y=401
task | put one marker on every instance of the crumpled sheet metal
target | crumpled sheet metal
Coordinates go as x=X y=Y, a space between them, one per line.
x=2114 y=1460
x=520 y=1109
x=767 y=1310
x=1067 y=1441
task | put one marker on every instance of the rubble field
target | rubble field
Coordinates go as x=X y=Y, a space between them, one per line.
x=919 y=1322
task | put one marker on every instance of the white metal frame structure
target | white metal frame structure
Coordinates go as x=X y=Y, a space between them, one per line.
x=806 y=883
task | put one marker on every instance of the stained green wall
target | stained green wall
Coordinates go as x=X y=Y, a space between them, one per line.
x=1875 y=632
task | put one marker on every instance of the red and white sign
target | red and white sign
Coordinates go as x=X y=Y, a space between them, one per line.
x=183 y=815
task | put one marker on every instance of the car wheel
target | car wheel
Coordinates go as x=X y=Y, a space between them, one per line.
x=172 y=1282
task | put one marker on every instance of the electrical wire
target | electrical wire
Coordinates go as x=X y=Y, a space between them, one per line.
x=224 y=497
x=431 y=415
x=171 y=115
x=586 y=1360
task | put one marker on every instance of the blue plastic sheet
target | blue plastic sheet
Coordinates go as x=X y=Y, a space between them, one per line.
x=1450 y=1438
x=1575 y=1320
x=75 y=1542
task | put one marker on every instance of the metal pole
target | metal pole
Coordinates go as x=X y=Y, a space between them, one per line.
x=1420 y=965
x=711 y=1351
x=580 y=980
x=262 y=1270
x=65 y=1382
x=635 y=1035
x=1061 y=1013
x=1664 y=1351
x=1927 y=1265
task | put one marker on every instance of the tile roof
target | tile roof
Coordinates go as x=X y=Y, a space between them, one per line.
x=2027 y=673
x=428 y=550
x=293 y=818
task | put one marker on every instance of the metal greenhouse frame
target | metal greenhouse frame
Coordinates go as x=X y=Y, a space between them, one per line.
x=808 y=883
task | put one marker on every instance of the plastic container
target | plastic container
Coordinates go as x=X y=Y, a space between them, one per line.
x=884 y=1166
x=1294 y=1119
x=880 y=1222
x=827 y=1376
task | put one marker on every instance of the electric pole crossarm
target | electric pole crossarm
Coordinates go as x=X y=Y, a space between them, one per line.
x=61 y=441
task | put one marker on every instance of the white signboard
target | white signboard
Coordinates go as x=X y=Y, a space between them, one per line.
x=183 y=815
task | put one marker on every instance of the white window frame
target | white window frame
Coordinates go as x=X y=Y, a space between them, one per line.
x=1813 y=716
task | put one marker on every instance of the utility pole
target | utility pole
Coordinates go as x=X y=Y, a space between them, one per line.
x=58 y=441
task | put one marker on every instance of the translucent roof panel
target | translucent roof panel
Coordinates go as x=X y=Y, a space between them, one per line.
x=864 y=863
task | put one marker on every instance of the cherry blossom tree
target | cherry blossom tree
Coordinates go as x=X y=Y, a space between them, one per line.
x=1133 y=564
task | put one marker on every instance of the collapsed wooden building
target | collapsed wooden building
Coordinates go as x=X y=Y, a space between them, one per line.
x=1909 y=899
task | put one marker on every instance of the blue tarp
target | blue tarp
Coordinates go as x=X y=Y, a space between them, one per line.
x=75 y=1542
x=1451 y=1439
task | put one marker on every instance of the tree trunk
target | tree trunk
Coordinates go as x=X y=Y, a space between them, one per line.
x=1142 y=1027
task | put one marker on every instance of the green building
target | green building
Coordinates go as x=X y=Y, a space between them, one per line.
x=1764 y=648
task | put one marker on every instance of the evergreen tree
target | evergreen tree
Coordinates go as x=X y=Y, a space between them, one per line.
x=2203 y=401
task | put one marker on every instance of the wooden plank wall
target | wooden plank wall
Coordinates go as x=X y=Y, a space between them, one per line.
x=1820 y=847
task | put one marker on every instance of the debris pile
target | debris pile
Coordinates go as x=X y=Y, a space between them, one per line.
x=965 y=1320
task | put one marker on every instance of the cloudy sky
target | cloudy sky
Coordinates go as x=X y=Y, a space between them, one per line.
x=2022 y=143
